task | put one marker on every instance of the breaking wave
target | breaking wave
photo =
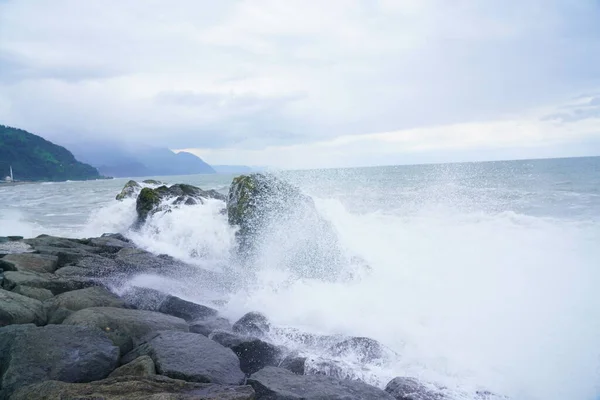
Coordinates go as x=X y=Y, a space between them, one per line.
x=468 y=301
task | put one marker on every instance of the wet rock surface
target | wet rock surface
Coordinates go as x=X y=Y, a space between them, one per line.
x=134 y=388
x=254 y=353
x=18 y=309
x=279 y=384
x=66 y=353
x=141 y=366
x=29 y=262
x=125 y=326
x=190 y=357
x=161 y=199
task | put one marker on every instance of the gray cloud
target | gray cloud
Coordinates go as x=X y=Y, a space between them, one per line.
x=252 y=74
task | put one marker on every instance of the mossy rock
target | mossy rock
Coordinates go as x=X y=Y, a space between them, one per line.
x=147 y=201
x=129 y=190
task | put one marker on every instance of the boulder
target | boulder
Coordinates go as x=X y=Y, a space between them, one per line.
x=147 y=204
x=133 y=260
x=18 y=309
x=94 y=266
x=143 y=298
x=34 y=293
x=65 y=255
x=271 y=212
x=254 y=354
x=110 y=244
x=327 y=367
x=133 y=388
x=279 y=384
x=29 y=262
x=130 y=190
x=149 y=200
x=124 y=326
x=58 y=352
x=58 y=316
x=59 y=242
x=207 y=326
x=190 y=357
x=8 y=335
x=141 y=366
x=118 y=236
x=405 y=388
x=51 y=282
x=252 y=324
x=65 y=304
x=185 y=309
x=365 y=350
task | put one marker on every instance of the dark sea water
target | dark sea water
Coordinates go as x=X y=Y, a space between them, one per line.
x=483 y=276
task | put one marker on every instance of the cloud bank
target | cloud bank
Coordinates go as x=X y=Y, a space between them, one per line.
x=307 y=83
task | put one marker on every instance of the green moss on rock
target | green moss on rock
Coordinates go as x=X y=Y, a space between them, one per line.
x=147 y=201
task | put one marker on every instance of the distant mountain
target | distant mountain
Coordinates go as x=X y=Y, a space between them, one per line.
x=35 y=159
x=232 y=169
x=134 y=161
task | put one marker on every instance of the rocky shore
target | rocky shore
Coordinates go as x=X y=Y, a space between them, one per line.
x=66 y=333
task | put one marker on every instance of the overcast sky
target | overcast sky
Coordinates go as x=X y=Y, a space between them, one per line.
x=308 y=83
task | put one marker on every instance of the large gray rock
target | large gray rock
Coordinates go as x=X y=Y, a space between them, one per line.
x=57 y=352
x=141 y=366
x=19 y=309
x=55 y=241
x=138 y=260
x=143 y=298
x=95 y=296
x=207 y=326
x=29 y=262
x=34 y=293
x=252 y=324
x=191 y=357
x=56 y=284
x=254 y=354
x=8 y=334
x=76 y=300
x=405 y=388
x=110 y=244
x=186 y=309
x=133 y=388
x=364 y=349
x=124 y=326
x=279 y=384
x=271 y=212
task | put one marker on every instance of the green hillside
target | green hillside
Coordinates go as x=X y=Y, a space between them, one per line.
x=36 y=159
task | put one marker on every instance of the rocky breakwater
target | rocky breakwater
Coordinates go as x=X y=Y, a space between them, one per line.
x=66 y=334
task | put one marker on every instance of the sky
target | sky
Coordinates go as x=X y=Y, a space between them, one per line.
x=301 y=84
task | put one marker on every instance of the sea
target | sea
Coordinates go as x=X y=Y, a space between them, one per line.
x=481 y=276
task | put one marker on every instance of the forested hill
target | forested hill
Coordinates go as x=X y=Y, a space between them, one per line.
x=36 y=159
